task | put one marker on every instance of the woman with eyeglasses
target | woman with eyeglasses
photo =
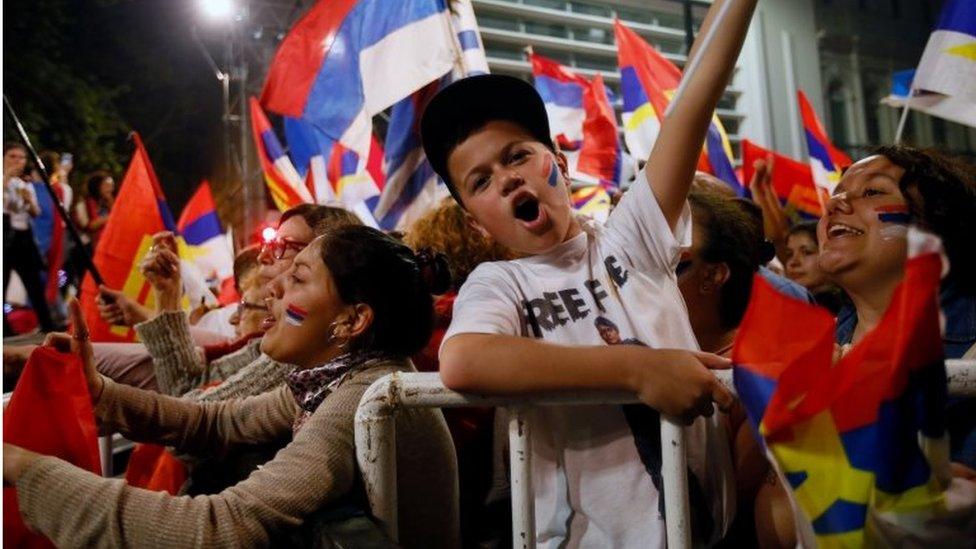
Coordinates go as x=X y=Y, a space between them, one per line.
x=353 y=305
x=180 y=368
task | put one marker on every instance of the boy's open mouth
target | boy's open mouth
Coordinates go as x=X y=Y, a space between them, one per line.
x=527 y=209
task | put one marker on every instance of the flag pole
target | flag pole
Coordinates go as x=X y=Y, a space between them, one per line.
x=904 y=113
x=72 y=230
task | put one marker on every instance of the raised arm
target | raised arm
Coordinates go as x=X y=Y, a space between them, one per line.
x=671 y=164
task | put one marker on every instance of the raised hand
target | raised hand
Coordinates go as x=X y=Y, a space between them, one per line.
x=161 y=267
x=78 y=342
x=776 y=224
x=118 y=309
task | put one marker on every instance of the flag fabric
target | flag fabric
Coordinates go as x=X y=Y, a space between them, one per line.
x=207 y=246
x=473 y=59
x=826 y=160
x=153 y=468
x=935 y=104
x=647 y=82
x=334 y=173
x=592 y=201
x=285 y=185
x=581 y=120
x=50 y=412
x=412 y=187
x=49 y=233
x=346 y=61
x=860 y=442
x=948 y=65
x=792 y=180
x=125 y=239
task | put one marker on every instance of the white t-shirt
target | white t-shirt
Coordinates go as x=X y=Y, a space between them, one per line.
x=14 y=204
x=591 y=488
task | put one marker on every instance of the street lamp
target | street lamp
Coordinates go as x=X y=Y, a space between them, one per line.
x=217 y=10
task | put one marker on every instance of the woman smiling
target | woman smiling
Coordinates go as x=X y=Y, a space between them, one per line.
x=349 y=310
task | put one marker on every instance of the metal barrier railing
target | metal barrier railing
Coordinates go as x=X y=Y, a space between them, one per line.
x=376 y=443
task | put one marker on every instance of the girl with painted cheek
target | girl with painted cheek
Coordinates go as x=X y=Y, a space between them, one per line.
x=352 y=307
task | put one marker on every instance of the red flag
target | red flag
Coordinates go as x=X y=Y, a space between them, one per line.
x=50 y=412
x=57 y=243
x=140 y=210
x=153 y=468
x=792 y=180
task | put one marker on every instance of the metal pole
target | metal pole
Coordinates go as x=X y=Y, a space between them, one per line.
x=72 y=230
x=691 y=67
x=520 y=463
x=249 y=218
x=689 y=26
x=904 y=114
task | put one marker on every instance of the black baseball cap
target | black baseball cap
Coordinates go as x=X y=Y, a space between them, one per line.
x=465 y=106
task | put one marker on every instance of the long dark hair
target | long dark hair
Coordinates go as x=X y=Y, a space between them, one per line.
x=941 y=193
x=372 y=268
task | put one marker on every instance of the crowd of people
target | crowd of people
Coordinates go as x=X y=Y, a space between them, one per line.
x=35 y=246
x=503 y=290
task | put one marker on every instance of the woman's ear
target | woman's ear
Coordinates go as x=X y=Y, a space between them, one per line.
x=359 y=321
x=717 y=274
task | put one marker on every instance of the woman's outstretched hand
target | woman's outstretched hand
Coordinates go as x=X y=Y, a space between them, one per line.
x=78 y=343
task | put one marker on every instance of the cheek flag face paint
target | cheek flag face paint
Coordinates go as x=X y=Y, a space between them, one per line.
x=894 y=213
x=553 y=174
x=295 y=315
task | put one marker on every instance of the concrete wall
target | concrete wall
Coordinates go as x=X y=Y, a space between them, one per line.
x=780 y=56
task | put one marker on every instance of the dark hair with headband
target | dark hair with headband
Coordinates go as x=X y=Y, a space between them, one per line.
x=373 y=268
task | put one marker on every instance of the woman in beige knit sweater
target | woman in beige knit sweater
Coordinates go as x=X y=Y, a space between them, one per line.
x=353 y=304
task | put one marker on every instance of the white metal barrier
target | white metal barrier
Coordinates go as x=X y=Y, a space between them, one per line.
x=376 y=443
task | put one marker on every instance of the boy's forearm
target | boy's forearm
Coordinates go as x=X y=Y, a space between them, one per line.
x=509 y=364
x=675 y=154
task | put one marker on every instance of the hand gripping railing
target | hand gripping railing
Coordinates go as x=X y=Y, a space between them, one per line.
x=376 y=443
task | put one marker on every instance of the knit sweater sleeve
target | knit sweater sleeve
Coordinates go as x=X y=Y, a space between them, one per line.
x=261 y=375
x=194 y=427
x=75 y=508
x=223 y=368
x=178 y=364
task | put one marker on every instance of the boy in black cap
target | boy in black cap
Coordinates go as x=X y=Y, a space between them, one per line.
x=526 y=326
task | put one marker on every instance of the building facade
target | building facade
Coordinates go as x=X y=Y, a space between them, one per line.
x=839 y=52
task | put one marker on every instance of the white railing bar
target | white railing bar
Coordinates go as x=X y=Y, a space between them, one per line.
x=520 y=462
x=376 y=442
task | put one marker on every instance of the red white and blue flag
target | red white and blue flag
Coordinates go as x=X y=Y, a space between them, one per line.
x=412 y=187
x=647 y=82
x=792 y=180
x=581 y=121
x=285 y=185
x=826 y=160
x=207 y=244
x=346 y=61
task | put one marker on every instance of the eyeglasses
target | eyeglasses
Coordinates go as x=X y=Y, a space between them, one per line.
x=278 y=246
x=245 y=306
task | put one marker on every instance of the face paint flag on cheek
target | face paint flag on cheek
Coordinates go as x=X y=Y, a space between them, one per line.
x=894 y=213
x=553 y=174
x=295 y=315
